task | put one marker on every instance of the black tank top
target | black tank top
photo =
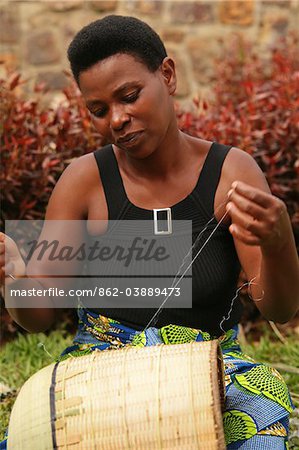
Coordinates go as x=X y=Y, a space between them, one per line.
x=214 y=274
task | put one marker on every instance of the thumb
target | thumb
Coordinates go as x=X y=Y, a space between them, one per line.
x=10 y=247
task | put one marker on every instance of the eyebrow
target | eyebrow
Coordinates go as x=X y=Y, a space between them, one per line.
x=119 y=90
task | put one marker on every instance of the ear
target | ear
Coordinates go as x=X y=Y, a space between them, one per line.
x=168 y=73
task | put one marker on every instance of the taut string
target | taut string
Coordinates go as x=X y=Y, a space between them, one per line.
x=176 y=281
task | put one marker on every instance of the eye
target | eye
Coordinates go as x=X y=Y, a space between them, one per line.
x=99 y=113
x=131 y=98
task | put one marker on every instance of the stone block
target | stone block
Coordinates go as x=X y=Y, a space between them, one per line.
x=65 y=5
x=237 y=12
x=42 y=48
x=183 y=85
x=9 y=24
x=275 y=20
x=40 y=21
x=173 y=35
x=68 y=28
x=192 y=12
x=103 y=5
x=203 y=51
x=9 y=60
x=280 y=3
x=147 y=7
x=54 y=80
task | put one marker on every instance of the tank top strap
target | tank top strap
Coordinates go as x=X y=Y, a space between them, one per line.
x=114 y=190
x=210 y=175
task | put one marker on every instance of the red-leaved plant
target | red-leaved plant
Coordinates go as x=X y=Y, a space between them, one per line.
x=256 y=108
x=37 y=142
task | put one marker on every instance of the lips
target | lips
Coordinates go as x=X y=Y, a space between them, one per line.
x=128 y=138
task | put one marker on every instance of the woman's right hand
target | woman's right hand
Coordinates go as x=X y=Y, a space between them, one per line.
x=11 y=262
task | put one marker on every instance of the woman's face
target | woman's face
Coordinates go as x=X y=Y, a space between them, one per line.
x=130 y=106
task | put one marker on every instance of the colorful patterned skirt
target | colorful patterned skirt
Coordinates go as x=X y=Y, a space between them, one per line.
x=258 y=402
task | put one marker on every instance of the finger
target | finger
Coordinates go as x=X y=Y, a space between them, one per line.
x=264 y=199
x=8 y=245
x=9 y=268
x=244 y=236
x=244 y=220
x=4 y=248
x=247 y=206
x=2 y=260
x=4 y=255
x=5 y=271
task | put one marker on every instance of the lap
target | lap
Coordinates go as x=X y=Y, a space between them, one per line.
x=258 y=402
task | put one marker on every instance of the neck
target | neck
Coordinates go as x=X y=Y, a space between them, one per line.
x=169 y=155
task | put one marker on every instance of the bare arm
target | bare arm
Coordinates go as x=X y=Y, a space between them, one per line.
x=67 y=203
x=264 y=241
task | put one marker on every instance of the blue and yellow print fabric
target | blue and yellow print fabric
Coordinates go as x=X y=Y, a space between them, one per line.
x=258 y=402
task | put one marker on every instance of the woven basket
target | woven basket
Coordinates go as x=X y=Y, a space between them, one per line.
x=160 y=397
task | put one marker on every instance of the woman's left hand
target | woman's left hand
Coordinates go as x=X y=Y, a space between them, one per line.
x=258 y=218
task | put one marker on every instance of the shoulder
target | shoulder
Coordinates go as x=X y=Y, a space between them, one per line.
x=240 y=165
x=69 y=198
x=79 y=174
x=79 y=167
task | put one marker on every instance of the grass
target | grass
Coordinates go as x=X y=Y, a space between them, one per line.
x=23 y=357
x=283 y=356
x=29 y=353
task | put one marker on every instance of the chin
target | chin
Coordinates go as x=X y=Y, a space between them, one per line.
x=142 y=152
x=137 y=152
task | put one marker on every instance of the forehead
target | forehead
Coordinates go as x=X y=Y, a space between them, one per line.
x=112 y=72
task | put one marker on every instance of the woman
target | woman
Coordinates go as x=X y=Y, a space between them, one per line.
x=128 y=83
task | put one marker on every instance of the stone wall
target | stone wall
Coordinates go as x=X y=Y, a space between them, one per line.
x=35 y=34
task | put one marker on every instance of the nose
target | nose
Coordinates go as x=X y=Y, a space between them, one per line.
x=118 y=117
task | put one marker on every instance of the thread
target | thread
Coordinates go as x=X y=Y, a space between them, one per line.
x=226 y=318
x=174 y=283
x=158 y=397
x=41 y=344
x=251 y=283
x=192 y=409
x=92 y=425
x=66 y=363
x=248 y=283
x=123 y=400
x=10 y=275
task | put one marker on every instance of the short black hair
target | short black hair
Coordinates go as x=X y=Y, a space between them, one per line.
x=115 y=34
